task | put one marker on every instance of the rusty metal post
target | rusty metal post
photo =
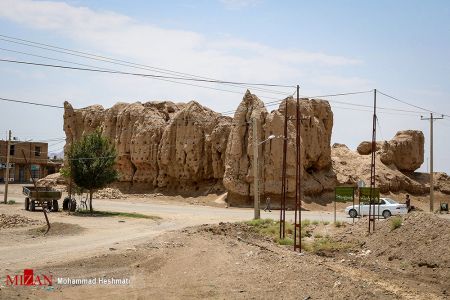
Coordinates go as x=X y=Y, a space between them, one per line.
x=298 y=164
x=255 y=170
x=283 y=176
x=372 y=165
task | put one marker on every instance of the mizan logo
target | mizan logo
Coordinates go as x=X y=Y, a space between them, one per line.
x=28 y=278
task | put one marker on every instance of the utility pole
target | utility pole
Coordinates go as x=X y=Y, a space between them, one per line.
x=8 y=150
x=283 y=175
x=298 y=173
x=372 y=214
x=255 y=170
x=431 y=118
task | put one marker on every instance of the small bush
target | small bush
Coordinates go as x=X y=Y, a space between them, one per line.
x=338 y=224
x=305 y=233
x=326 y=244
x=260 y=222
x=325 y=222
x=315 y=222
x=286 y=241
x=306 y=223
x=318 y=236
x=11 y=202
x=396 y=223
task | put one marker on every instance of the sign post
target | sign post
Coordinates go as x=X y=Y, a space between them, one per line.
x=343 y=194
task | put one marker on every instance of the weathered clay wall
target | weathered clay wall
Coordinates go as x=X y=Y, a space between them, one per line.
x=317 y=123
x=159 y=144
x=183 y=146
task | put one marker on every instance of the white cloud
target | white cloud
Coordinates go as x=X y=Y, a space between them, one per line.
x=239 y=4
x=186 y=50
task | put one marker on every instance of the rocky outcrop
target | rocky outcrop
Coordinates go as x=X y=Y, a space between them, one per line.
x=365 y=148
x=350 y=167
x=185 y=153
x=404 y=151
x=238 y=177
x=317 y=122
x=159 y=144
x=180 y=147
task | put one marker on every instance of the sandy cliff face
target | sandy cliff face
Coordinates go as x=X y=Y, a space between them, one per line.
x=159 y=144
x=317 y=123
x=184 y=146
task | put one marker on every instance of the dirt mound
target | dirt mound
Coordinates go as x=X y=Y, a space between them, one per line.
x=55 y=181
x=109 y=193
x=58 y=228
x=416 y=240
x=240 y=231
x=422 y=239
x=12 y=221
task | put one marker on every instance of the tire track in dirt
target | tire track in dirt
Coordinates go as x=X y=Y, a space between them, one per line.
x=372 y=278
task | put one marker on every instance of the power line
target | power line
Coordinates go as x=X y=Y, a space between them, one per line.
x=410 y=104
x=161 y=79
x=384 y=108
x=142 y=74
x=371 y=111
x=117 y=61
x=136 y=74
x=379 y=126
x=31 y=103
x=267 y=104
x=340 y=94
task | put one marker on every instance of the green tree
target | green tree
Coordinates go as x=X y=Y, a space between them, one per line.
x=91 y=162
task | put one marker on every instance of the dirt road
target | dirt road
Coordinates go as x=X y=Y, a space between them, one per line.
x=19 y=248
x=165 y=261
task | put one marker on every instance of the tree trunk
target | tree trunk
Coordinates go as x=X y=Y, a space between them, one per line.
x=90 y=200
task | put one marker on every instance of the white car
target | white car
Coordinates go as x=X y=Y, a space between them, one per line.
x=386 y=208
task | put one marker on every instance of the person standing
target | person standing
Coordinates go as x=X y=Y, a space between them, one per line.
x=408 y=203
x=267 y=208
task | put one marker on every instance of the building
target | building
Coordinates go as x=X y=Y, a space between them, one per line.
x=36 y=155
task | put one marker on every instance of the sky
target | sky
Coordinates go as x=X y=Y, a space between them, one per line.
x=401 y=48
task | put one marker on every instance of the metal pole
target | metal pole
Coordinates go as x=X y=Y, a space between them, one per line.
x=255 y=170
x=7 y=166
x=432 y=119
x=431 y=165
x=298 y=218
x=283 y=176
x=372 y=165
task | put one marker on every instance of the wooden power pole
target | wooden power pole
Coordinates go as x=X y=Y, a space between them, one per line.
x=431 y=118
x=8 y=150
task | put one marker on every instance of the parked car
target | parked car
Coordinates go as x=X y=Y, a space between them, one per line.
x=386 y=208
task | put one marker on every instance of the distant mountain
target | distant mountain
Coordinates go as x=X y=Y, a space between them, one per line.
x=58 y=155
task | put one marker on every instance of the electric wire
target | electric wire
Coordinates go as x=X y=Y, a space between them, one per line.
x=410 y=104
x=160 y=79
x=118 y=61
x=130 y=73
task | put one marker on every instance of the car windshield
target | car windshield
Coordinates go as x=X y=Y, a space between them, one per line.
x=389 y=201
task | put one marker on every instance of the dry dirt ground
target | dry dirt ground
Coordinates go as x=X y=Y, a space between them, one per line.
x=234 y=261
x=164 y=260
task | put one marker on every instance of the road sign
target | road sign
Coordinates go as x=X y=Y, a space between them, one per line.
x=364 y=194
x=344 y=193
